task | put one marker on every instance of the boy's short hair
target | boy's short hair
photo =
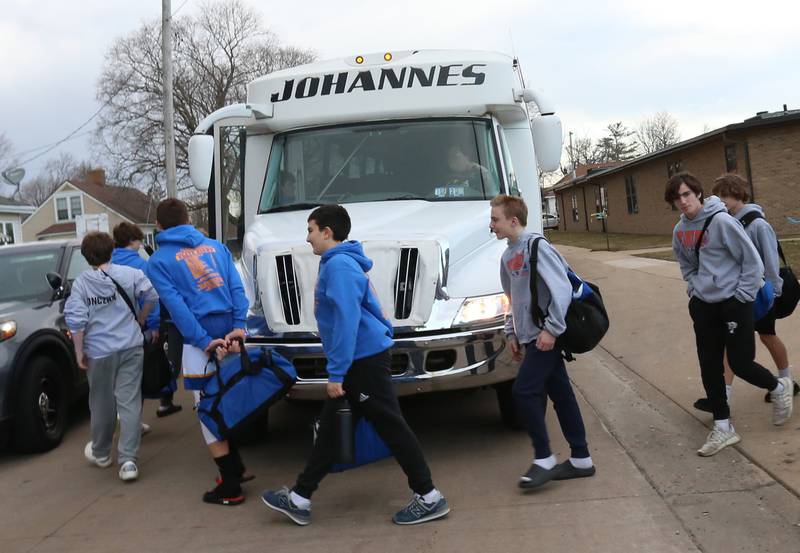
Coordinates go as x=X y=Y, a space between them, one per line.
x=675 y=182
x=732 y=186
x=512 y=206
x=125 y=233
x=96 y=248
x=171 y=213
x=335 y=217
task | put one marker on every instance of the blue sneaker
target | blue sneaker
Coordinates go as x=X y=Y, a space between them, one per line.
x=417 y=511
x=281 y=501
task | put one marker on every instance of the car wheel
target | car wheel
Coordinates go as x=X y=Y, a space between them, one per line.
x=41 y=414
x=508 y=409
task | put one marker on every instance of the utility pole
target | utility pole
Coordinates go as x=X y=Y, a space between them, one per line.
x=169 y=127
x=571 y=156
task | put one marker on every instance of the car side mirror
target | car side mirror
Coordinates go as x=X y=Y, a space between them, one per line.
x=55 y=281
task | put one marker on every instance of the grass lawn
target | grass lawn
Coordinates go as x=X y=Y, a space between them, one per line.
x=791 y=249
x=616 y=242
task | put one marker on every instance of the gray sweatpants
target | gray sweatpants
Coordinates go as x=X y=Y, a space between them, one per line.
x=115 y=386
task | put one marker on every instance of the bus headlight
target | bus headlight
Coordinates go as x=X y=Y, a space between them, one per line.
x=482 y=308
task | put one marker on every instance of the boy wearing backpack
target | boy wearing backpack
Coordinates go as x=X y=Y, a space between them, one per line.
x=542 y=372
x=724 y=274
x=732 y=190
x=356 y=339
x=199 y=285
x=107 y=335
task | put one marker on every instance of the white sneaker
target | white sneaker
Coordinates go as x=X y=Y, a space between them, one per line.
x=102 y=462
x=128 y=471
x=145 y=429
x=782 y=402
x=717 y=440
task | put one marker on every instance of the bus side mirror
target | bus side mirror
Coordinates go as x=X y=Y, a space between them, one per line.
x=201 y=160
x=547 y=137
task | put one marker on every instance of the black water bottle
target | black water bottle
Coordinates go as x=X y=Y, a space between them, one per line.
x=345 y=451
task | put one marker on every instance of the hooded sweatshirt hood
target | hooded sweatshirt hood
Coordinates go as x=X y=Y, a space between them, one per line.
x=766 y=242
x=728 y=264
x=350 y=319
x=181 y=235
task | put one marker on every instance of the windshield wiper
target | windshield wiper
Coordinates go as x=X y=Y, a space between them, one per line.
x=404 y=197
x=292 y=207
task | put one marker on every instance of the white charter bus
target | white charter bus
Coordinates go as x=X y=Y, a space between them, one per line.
x=414 y=144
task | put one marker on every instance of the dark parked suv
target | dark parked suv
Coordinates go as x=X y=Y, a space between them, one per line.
x=39 y=377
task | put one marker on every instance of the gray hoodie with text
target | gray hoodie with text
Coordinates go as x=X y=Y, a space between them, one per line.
x=552 y=287
x=95 y=307
x=728 y=266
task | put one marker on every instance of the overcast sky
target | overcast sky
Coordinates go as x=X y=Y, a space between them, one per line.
x=707 y=62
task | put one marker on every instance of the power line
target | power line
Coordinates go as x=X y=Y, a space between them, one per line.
x=26 y=152
x=173 y=14
x=68 y=137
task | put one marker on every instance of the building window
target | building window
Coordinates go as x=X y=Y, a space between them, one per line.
x=730 y=158
x=6 y=233
x=630 y=195
x=674 y=167
x=575 y=206
x=68 y=207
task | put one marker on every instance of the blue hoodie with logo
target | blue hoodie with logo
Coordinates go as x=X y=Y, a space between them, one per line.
x=350 y=319
x=131 y=258
x=197 y=281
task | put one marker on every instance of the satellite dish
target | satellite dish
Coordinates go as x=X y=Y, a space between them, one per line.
x=14 y=176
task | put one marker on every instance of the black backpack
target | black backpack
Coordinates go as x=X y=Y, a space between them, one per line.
x=785 y=303
x=586 y=319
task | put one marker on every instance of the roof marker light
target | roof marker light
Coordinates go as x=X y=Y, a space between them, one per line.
x=387 y=56
x=359 y=59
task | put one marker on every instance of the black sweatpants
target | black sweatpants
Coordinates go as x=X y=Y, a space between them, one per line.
x=720 y=327
x=368 y=387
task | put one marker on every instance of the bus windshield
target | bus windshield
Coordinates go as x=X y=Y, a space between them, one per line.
x=433 y=160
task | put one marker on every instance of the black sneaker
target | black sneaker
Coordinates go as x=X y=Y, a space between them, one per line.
x=704 y=404
x=768 y=397
x=536 y=477
x=222 y=496
x=566 y=471
x=167 y=410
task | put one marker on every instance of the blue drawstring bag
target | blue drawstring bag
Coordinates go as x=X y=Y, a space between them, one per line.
x=764 y=300
x=369 y=447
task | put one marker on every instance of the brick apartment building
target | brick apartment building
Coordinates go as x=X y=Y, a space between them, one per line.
x=764 y=150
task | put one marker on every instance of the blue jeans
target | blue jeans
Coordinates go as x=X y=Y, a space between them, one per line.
x=543 y=374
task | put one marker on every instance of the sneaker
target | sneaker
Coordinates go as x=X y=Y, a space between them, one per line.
x=102 y=462
x=222 y=496
x=128 y=472
x=782 y=403
x=704 y=404
x=717 y=440
x=536 y=477
x=281 y=501
x=567 y=471
x=417 y=511
x=768 y=395
x=167 y=410
x=145 y=429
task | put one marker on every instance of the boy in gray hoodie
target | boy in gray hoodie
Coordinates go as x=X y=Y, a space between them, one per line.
x=733 y=191
x=724 y=273
x=108 y=345
x=542 y=373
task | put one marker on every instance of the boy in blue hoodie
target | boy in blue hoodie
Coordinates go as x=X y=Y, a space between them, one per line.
x=723 y=272
x=127 y=242
x=199 y=285
x=356 y=338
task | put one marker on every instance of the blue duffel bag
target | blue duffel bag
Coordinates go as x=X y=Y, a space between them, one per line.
x=244 y=386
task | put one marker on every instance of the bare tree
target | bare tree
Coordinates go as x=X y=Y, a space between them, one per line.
x=216 y=53
x=53 y=174
x=657 y=132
